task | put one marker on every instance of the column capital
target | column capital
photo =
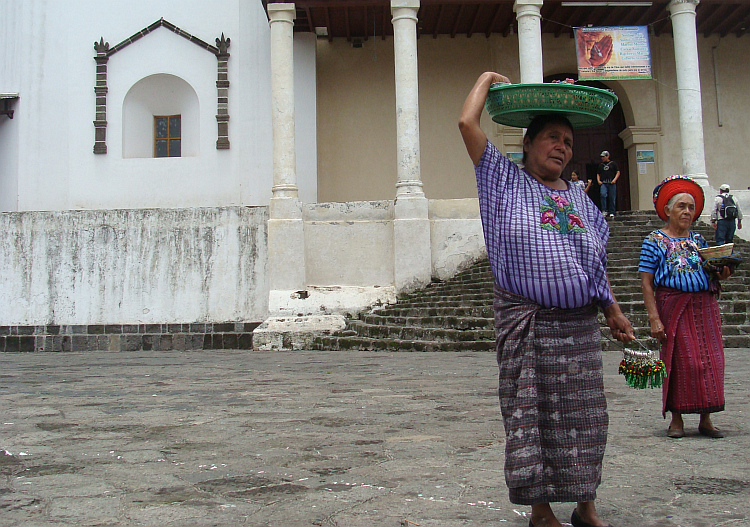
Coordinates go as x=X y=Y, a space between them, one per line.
x=409 y=4
x=677 y=7
x=527 y=7
x=633 y=135
x=281 y=12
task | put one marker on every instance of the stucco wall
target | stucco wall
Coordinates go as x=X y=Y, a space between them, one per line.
x=349 y=244
x=357 y=115
x=9 y=130
x=356 y=112
x=456 y=236
x=50 y=62
x=133 y=266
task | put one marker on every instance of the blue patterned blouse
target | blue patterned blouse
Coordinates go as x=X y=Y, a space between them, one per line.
x=675 y=262
x=547 y=245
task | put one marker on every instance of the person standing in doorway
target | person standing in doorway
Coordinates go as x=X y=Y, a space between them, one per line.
x=607 y=175
x=726 y=216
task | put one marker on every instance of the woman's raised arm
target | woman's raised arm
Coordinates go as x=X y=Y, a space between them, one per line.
x=474 y=138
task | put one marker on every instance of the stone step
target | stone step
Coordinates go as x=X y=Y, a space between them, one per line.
x=630 y=300
x=449 y=321
x=457 y=314
x=615 y=271
x=732 y=323
x=727 y=298
x=479 y=311
x=388 y=344
x=478 y=299
x=474 y=287
x=420 y=333
x=358 y=342
x=725 y=306
x=611 y=345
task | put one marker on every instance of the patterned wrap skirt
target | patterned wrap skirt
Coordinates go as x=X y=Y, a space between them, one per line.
x=552 y=400
x=693 y=353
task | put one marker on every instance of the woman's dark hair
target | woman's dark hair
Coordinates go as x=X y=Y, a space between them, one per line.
x=539 y=122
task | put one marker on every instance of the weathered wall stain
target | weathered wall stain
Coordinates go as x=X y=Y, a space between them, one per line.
x=133 y=266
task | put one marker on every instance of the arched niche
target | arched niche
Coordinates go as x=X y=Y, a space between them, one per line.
x=160 y=94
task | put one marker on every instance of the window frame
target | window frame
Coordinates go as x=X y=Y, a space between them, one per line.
x=169 y=138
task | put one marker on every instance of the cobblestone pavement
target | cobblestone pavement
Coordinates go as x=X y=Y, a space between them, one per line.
x=347 y=439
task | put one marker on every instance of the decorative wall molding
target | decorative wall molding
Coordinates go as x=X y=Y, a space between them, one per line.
x=103 y=52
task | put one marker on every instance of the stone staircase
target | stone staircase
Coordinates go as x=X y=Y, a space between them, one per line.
x=456 y=315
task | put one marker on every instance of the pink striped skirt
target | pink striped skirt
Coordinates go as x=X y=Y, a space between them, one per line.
x=693 y=353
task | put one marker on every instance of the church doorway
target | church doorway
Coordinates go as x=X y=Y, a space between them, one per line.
x=588 y=144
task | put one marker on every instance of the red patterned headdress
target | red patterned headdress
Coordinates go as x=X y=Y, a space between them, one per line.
x=674 y=185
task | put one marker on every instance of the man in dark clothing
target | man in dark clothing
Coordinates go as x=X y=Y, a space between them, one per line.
x=726 y=216
x=607 y=175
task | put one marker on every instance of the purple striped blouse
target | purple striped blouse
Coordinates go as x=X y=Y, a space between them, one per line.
x=547 y=245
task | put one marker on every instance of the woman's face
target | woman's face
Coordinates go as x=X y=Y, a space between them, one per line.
x=682 y=212
x=550 y=151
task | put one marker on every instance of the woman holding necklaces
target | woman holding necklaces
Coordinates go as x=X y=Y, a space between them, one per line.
x=546 y=243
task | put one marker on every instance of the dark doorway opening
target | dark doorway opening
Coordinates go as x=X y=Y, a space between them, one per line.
x=588 y=143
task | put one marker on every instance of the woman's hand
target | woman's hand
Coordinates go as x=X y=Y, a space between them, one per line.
x=618 y=323
x=657 y=330
x=725 y=273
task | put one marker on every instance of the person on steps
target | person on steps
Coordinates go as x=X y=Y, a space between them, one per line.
x=726 y=216
x=607 y=175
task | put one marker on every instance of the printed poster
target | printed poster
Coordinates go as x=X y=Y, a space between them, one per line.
x=613 y=53
x=516 y=157
x=645 y=156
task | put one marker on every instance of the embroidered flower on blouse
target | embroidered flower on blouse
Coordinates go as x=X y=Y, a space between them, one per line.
x=681 y=255
x=549 y=216
x=575 y=220
x=559 y=215
x=559 y=200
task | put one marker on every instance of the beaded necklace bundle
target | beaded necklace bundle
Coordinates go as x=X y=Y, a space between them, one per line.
x=642 y=369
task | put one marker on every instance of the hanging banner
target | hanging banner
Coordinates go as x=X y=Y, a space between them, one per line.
x=613 y=53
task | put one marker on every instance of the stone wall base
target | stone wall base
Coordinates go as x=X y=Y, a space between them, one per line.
x=128 y=337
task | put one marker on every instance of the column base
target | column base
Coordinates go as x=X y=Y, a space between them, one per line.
x=286 y=254
x=412 y=248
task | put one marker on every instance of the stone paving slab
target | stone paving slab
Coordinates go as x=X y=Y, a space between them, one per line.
x=348 y=439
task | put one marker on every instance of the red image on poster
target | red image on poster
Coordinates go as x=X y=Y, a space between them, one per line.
x=613 y=52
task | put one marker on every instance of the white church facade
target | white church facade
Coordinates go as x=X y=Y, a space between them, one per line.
x=175 y=168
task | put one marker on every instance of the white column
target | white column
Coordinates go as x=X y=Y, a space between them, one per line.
x=409 y=180
x=682 y=13
x=528 y=14
x=282 y=99
x=286 y=237
x=411 y=225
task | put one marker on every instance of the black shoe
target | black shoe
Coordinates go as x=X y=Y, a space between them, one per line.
x=576 y=520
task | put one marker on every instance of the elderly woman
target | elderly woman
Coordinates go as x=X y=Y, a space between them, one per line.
x=546 y=242
x=680 y=298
